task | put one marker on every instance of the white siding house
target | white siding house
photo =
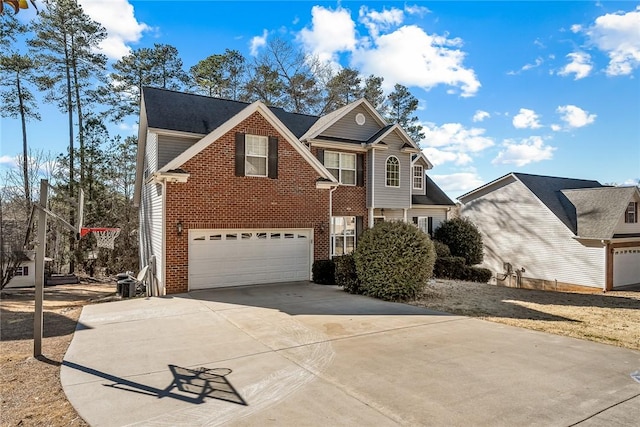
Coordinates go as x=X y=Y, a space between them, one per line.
x=538 y=232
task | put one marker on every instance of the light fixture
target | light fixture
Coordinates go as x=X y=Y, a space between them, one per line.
x=179 y=227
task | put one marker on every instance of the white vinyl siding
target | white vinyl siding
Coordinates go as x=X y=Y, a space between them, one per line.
x=519 y=229
x=624 y=227
x=170 y=147
x=151 y=155
x=437 y=215
x=391 y=197
x=151 y=220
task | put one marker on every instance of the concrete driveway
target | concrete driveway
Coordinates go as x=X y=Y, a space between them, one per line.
x=301 y=354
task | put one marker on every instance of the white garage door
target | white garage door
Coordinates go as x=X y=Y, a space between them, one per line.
x=626 y=266
x=242 y=257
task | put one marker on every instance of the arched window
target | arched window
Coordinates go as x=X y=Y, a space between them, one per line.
x=393 y=172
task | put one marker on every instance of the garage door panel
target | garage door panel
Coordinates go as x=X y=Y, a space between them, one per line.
x=239 y=257
x=626 y=266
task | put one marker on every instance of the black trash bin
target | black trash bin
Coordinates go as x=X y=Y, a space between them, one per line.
x=127 y=288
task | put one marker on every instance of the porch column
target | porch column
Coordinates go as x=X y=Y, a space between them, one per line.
x=608 y=285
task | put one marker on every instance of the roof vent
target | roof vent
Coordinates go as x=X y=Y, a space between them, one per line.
x=360 y=119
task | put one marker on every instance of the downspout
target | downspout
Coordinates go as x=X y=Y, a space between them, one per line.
x=331 y=219
x=373 y=185
x=161 y=289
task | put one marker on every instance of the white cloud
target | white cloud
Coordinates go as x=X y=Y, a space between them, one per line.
x=257 y=42
x=618 y=36
x=576 y=28
x=575 y=117
x=10 y=161
x=454 y=136
x=526 y=119
x=117 y=17
x=416 y=10
x=556 y=128
x=458 y=183
x=480 y=115
x=376 y=21
x=331 y=31
x=538 y=62
x=529 y=150
x=580 y=65
x=438 y=157
x=412 y=57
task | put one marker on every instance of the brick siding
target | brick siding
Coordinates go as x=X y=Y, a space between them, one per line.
x=215 y=198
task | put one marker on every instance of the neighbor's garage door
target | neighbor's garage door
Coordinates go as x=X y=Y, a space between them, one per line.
x=243 y=257
x=626 y=266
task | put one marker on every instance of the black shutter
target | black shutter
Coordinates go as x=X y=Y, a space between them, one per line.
x=430 y=226
x=273 y=157
x=25 y=270
x=239 y=154
x=635 y=212
x=415 y=220
x=321 y=156
x=359 y=170
x=359 y=226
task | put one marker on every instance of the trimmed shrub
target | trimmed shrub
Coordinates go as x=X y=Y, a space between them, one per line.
x=324 y=272
x=442 y=250
x=394 y=261
x=452 y=267
x=477 y=274
x=463 y=238
x=346 y=275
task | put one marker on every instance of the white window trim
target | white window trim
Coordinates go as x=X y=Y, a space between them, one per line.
x=266 y=156
x=631 y=211
x=415 y=168
x=344 y=235
x=340 y=168
x=386 y=172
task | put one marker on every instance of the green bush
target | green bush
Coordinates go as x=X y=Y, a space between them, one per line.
x=394 y=261
x=452 y=267
x=442 y=250
x=324 y=272
x=462 y=237
x=477 y=274
x=346 y=275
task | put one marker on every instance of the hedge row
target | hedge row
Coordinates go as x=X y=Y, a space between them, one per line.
x=454 y=267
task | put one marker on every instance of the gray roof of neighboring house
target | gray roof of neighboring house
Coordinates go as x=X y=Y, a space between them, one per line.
x=434 y=196
x=200 y=114
x=599 y=209
x=549 y=190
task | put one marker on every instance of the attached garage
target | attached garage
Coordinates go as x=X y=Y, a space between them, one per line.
x=626 y=266
x=219 y=258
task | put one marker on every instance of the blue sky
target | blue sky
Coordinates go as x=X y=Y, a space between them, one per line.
x=547 y=88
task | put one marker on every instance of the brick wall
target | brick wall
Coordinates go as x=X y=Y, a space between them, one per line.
x=214 y=198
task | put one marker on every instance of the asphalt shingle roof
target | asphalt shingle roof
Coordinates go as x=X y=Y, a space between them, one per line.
x=199 y=114
x=434 y=196
x=549 y=190
x=599 y=209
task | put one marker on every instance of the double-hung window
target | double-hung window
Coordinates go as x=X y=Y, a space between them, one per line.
x=256 y=155
x=342 y=166
x=631 y=214
x=418 y=177
x=393 y=172
x=21 y=271
x=343 y=235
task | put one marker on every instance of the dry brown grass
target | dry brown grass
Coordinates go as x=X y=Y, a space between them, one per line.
x=30 y=387
x=611 y=318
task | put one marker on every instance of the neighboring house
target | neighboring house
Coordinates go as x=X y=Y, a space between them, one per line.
x=232 y=193
x=557 y=233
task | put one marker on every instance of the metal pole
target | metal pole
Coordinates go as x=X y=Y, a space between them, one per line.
x=40 y=254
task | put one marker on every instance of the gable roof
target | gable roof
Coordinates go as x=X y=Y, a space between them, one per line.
x=198 y=114
x=598 y=210
x=434 y=196
x=324 y=122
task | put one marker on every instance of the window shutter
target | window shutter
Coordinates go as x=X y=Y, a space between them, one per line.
x=273 y=157
x=635 y=211
x=25 y=270
x=359 y=226
x=239 y=154
x=321 y=156
x=430 y=225
x=359 y=170
x=415 y=220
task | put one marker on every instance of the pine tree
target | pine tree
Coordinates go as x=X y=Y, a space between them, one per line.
x=401 y=104
x=342 y=89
